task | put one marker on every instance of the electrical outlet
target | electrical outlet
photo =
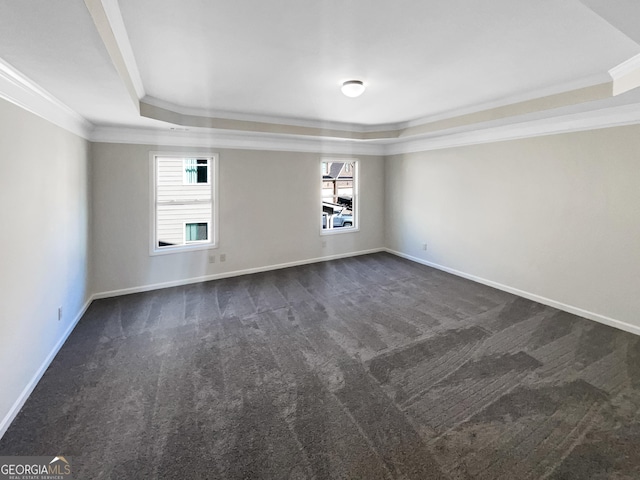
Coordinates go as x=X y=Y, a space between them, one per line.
x=212 y=259
x=223 y=257
x=59 y=313
x=424 y=246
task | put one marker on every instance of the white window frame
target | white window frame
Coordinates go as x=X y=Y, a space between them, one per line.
x=212 y=224
x=356 y=197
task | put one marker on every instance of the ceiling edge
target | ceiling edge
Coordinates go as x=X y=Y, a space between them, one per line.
x=24 y=92
x=170 y=116
x=588 y=89
x=591 y=120
x=585 y=94
x=532 y=95
x=107 y=19
x=114 y=16
x=270 y=119
x=626 y=76
x=235 y=140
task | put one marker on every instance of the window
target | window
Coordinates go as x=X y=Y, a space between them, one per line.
x=339 y=195
x=196 y=170
x=183 y=202
x=196 y=232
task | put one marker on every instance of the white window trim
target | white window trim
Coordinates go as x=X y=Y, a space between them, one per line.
x=208 y=158
x=212 y=243
x=356 y=197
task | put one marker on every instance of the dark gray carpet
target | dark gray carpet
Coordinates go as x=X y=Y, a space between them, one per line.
x=368 y=368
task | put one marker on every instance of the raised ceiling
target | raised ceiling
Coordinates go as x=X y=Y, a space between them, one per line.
x=282 y=62
x=418 y=58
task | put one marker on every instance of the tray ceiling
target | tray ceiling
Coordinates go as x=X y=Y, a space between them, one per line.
x=247 y=65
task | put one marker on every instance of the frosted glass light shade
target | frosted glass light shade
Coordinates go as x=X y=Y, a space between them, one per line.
x=353 y=88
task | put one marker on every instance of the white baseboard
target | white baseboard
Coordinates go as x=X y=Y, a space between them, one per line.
x=612 y=322
x=20 y=401
x=235 y=273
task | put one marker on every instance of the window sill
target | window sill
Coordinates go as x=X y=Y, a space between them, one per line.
x=338 y=231
x=182 y=249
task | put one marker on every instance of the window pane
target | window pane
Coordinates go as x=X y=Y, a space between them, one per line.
x=202 y=171
x=196 y=232
x=183 y=210
x=196 y=170
x=338 y=195
x=190 y=170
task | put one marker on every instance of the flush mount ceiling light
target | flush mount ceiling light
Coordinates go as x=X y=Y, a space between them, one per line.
x=353 y=88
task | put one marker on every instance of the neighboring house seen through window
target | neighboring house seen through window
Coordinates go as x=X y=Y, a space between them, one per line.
x=184 y=201
x=339 y=195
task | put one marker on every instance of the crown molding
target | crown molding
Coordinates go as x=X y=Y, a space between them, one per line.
x=587 y=90
x=24 y=92
x=592 y=120
x=235 y=140
x=626 y=67
x=107 y=19
x=225 y=124
x=596 y=119
x=270 y=119
x=553 y=90
x=626 y=76
x=565 y=88
x=114 y=16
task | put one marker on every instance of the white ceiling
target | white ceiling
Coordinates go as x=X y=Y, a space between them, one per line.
x=418 y=58
x=283 y=60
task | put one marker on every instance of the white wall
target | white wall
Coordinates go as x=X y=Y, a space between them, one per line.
x=269 y=214
x=44 y=246
x=555 y=216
